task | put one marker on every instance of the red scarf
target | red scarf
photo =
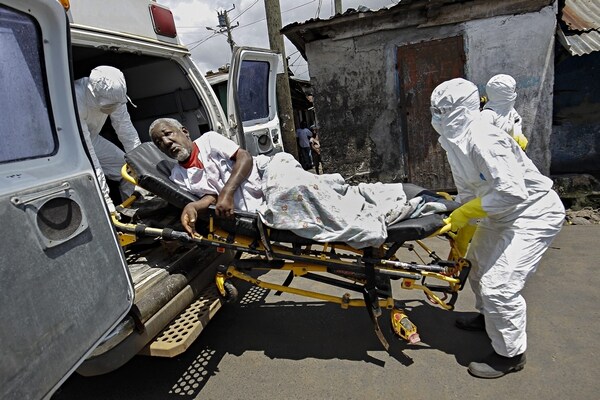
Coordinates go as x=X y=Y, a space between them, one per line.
x=193 y=161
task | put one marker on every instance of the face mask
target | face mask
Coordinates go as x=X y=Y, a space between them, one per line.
x=436 y=122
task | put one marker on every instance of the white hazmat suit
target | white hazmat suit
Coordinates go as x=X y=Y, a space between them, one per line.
x=104 y=93
x=499 y=110
x=523 y=213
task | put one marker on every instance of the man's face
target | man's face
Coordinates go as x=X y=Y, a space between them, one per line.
x=172 y=141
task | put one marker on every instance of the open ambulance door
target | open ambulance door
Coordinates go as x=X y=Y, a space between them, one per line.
x=252 y=100
x=63 y=279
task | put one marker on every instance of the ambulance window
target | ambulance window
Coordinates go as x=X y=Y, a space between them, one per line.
x=25 y=126
x=253 y=90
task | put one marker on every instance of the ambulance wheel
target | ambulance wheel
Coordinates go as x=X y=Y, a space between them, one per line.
x=231 y=292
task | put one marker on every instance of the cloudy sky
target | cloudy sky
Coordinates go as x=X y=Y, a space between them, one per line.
x=210 y=50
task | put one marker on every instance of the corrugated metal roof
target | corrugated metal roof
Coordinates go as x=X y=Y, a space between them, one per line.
x=405 y=13
x=579 y=30
x=580 y=44
x=581 y=15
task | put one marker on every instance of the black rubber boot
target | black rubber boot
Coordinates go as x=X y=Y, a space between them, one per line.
x=476 y=323
x=496 y=366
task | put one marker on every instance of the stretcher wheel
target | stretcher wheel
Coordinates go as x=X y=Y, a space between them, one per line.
x=231 y=292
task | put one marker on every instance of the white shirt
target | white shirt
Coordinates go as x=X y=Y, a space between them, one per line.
x=214 y=153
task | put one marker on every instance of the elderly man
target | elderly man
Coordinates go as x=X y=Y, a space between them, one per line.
x=520 y=216
x=320 y=207
x=213 y=168
x=101 y=94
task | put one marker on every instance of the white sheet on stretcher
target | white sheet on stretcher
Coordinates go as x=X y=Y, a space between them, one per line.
x=327 y=209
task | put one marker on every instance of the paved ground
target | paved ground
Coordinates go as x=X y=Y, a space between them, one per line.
x=269 y=347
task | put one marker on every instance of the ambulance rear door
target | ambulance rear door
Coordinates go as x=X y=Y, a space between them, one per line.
x=63 y=278
x=252 y=101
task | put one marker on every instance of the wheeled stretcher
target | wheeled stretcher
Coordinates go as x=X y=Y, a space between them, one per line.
x=366 y=272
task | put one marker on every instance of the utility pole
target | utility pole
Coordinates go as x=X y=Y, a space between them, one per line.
x=284 y=97
x=338 y=6
x=225 y=26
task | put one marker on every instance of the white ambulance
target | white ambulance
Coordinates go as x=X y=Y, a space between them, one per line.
x=140 y=38
x=73 y=296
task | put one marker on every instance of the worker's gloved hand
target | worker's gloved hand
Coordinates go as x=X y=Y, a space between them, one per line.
x=521 y=140
x=463 y=238
x=460 y=217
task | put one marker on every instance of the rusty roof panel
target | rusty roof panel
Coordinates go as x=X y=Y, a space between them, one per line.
x=581 y=15
x=580 y=44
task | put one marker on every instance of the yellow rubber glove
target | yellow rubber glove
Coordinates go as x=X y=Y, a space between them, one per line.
x=463 y=238
x=460 y=217
x=521 y=140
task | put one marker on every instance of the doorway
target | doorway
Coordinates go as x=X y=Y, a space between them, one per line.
x=421 y=67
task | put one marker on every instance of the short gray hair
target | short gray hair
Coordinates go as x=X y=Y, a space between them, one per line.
x=172 y=122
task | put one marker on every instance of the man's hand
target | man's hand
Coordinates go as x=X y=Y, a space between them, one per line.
x=242 y=166
x=189 y=215
x=224 y=207
x=190 y=212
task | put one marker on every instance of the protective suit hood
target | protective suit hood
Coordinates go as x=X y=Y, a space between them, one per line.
x=455 y=105
x=501 y=94
x=106 y=86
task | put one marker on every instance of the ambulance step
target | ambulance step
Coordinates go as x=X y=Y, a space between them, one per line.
x=183 y=330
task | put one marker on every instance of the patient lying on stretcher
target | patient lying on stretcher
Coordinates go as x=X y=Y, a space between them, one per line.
x=320 y=207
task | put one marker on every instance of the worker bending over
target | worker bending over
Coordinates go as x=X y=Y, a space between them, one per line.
x=520 y=216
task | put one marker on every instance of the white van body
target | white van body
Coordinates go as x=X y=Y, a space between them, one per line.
x=74 y=296
x=162 y=79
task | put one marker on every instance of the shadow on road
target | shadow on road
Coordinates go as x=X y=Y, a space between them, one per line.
x=288 y=330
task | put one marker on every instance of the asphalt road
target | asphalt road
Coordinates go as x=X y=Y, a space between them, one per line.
x=270 y=347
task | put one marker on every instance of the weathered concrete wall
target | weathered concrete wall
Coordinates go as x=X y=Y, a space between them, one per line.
x=356 y=89
x=523 y=47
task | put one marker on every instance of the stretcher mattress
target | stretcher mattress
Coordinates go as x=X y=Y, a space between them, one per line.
x=152 y=168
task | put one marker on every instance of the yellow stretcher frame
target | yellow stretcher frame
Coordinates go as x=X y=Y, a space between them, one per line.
x=452 y=273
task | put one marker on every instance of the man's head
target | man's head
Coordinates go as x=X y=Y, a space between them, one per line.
x=501 y=87
x=107 y=88
x=501 y=93
x=171 y=138
x=454 y=104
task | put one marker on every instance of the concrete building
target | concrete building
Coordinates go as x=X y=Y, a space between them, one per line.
x=576 y=123
x=372 y=73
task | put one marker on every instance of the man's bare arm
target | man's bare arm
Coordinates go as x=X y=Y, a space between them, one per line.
x=241 y=170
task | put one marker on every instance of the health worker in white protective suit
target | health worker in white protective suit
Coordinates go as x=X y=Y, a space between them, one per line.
x=499 y=109
x=104 y=93
x=520 y=215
